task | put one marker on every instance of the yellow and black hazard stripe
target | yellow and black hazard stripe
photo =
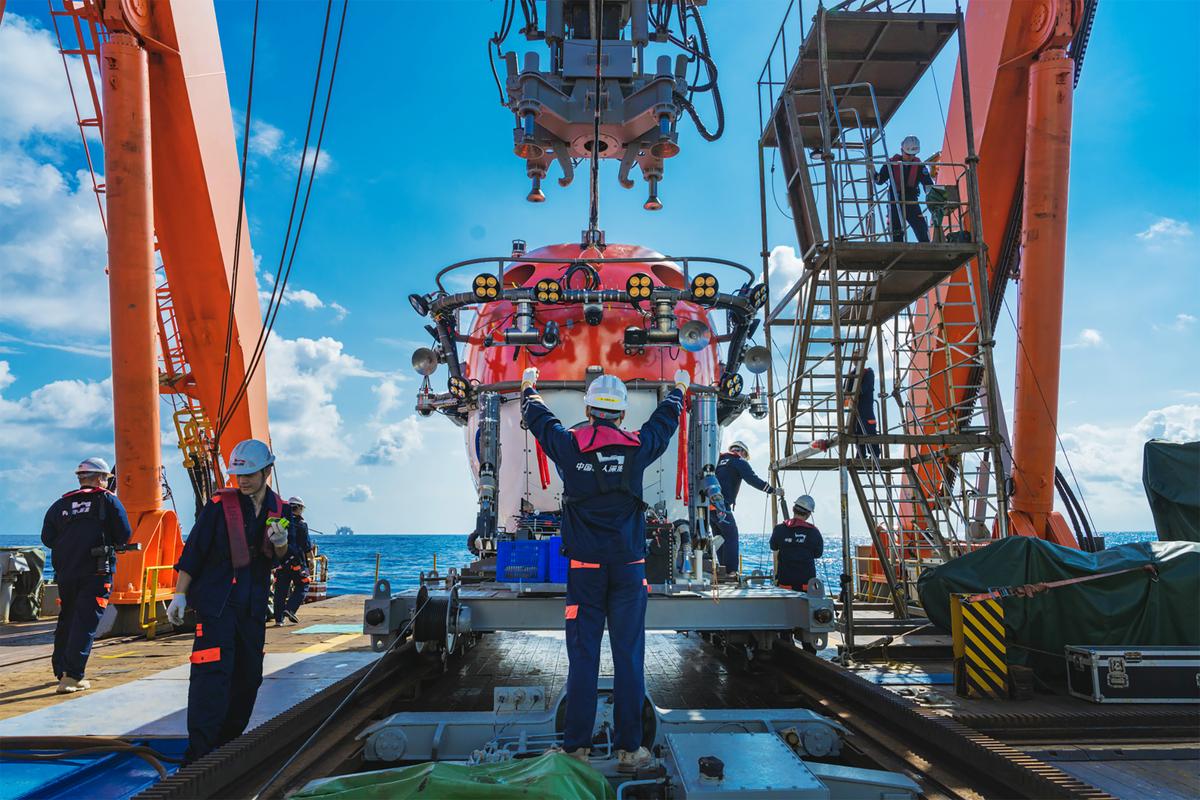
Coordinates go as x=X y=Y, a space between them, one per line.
x=985 y=659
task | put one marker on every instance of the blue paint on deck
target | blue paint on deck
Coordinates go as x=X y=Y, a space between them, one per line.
x=329 y=628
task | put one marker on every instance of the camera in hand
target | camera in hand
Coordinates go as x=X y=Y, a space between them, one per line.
x=105 y=553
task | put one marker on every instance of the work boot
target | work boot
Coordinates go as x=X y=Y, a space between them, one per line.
x=278 y=623
x=632 y=762
x=292 y=617
x=580 y=755
x=68 y=685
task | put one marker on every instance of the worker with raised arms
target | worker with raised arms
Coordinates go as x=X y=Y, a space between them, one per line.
x=733 y=468
x=604 y=536
x=81 y=529
x=225 y=575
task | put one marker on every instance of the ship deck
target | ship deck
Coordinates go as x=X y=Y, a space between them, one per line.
x=294 y=654
x=1133 y=751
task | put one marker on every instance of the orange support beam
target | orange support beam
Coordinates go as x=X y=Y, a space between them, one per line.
x=1039 y=321
x=133 y=311
x=134 y=317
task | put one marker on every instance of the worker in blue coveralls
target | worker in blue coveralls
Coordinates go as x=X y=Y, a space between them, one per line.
x=225 y=575
x=732 y=469
x=80 y=529
x=796 y=544
x=604 y=536
x=291 y=577
x=864 y=407
x=905 y=174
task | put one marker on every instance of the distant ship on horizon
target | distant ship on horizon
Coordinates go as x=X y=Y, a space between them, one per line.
x=344 y=530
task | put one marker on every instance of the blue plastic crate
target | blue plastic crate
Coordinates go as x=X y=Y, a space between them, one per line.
x=521 y=561
x=558 y=562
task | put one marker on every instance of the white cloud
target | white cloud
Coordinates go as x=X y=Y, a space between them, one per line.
x=1088 y=337
x=302 y=375
x=1107 y=460
x=305 y=298
x=52 y=243
x=388 y=394
x=43 y=433
x=783 y=268
x=270 y=143
x=394 y=443
x=360 y=493
x=34 y=92
x=1166 y=229
x=1181 y=324
x=78 y=348
x=52 y=248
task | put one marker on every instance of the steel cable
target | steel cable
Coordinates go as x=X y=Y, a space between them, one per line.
x=282 y=280
x=237 y=232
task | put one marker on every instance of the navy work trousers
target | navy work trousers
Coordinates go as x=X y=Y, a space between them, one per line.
x=227 y=668
x=727 y=553
x=83 y=602
x=912 y=214
x=291 y=582
x=596 y=592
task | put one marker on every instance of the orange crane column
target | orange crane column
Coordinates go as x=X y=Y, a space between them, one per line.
x=129 y=200
x=1043 y=256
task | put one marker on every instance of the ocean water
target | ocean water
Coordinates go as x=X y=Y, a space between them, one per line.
x=402 y=557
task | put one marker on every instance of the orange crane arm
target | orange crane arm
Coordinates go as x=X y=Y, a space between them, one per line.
x=196 y=212
x=172 y=184
x=1021 y=85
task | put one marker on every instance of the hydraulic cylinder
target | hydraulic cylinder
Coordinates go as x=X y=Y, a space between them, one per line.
x=132 y=306
x=1040 y=305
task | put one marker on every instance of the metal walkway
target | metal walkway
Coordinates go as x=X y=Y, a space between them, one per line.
x=875 y=351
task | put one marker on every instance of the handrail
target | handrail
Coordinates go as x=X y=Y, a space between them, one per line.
x=147 y=610
x=682 y=261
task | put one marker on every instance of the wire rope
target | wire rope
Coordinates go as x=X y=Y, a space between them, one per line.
x=281 y=281
x=349 y=696
x=237 y=231
x=1050 y=414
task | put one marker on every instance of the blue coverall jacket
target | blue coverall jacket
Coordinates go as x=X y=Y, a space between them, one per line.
x=799 y=544
x=732 y=469
x=207 y=558
x=79 y=521
x=602 y=524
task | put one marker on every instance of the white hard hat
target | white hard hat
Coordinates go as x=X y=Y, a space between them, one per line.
x=295 y=500
x=806 y=503
x=607 y=393
x=740 y=445
x=93 y=464
x=250 y=456
x=910 y=146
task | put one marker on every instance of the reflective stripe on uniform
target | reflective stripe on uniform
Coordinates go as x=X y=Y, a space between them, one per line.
x=583 y=565
x=206 y=656
x=639 y=561
x=199 y=630
x=572 y=612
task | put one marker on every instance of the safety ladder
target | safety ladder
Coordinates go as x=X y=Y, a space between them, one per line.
x=926 y=481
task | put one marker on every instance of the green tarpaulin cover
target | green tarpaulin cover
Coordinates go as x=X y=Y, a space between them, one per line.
x=1133 y=608
x=1171 y=475
x=552 y=775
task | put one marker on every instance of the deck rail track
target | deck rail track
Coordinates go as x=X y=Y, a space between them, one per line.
x=239 y=768
x=933 y=738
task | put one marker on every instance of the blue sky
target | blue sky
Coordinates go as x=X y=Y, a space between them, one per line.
x=420 y=174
